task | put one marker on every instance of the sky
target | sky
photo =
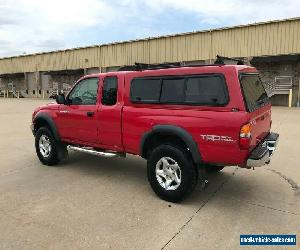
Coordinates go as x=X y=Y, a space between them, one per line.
x=30 y=26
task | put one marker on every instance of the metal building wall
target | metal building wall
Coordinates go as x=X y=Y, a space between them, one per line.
x=271 y=38
x=31 y=81
x=258 y=40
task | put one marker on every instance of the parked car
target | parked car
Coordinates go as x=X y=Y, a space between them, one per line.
x=180 y=119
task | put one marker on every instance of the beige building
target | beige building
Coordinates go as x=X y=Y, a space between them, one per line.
x=273 y=47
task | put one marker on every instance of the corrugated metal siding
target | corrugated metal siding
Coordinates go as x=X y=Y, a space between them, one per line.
x=273 y=38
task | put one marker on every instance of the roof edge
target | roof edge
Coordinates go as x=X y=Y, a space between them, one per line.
x=158 y=37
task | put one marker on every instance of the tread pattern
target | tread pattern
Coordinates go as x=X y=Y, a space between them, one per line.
x=188 y=168
x=53 y=158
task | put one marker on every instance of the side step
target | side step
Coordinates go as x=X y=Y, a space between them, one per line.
x=94 y=152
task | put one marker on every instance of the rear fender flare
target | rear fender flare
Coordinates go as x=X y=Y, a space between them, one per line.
x=173 y=131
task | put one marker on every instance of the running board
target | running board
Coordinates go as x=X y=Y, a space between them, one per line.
x=94 y=152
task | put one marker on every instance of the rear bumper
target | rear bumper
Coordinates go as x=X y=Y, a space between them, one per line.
x=261 y=155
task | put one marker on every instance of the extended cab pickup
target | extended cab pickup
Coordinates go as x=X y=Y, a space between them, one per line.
x=181 y=119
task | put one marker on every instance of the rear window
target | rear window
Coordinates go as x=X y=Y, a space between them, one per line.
x=254 y=92
x=208 y=90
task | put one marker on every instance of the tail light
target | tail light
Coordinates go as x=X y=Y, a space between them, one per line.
x=245 y=136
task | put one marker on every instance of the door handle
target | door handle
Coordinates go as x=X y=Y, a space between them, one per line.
x=90 y=113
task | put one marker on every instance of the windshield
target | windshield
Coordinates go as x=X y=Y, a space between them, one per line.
x=254 y=91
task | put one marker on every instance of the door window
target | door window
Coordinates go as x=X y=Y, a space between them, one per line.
x=84 y=93
x=109 y=93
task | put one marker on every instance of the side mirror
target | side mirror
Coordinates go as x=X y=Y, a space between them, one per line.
x=60 y=99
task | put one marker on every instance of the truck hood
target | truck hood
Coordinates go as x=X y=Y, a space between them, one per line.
x=51 y=106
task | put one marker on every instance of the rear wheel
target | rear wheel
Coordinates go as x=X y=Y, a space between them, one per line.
x=48 y=150
x=171 y=172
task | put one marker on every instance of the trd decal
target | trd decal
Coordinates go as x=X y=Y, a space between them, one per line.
x=217 y=138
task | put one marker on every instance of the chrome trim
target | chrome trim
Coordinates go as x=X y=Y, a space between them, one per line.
x=271 y=146
x=45 y=146
x=91 y=151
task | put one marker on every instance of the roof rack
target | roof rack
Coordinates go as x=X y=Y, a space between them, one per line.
x=220 y=60
x=145 y=66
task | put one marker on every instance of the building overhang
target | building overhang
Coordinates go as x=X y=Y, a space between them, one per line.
x=65 y=72
x=276 y=59
x=12 y=75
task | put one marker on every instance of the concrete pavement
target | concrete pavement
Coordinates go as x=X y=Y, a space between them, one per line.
x=89 y=202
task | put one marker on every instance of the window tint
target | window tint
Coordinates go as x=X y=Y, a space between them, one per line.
x=85 y=92
x=145 y=90
x=254 y=92
x=109 y=93
x=208 y=90
x=172 y=90
x=194 y=90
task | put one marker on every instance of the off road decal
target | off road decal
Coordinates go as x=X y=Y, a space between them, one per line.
x=218 y=138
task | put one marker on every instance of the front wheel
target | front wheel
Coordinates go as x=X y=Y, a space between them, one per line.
x=171 y=173
x=47 y=148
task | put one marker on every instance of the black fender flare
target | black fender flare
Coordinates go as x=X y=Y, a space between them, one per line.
x=44 y=117
x=174 y=131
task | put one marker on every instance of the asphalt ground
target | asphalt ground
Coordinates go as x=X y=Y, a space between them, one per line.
x=88 y=202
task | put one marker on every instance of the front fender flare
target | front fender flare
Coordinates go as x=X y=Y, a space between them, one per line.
x=46 y=118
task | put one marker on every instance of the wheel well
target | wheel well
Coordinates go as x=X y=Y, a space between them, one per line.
x=45 y=120
x=41 y=123
x=158 y=139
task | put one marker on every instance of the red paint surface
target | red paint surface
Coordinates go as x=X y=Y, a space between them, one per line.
x=121 y=127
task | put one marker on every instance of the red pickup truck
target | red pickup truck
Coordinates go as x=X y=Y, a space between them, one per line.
x=181 y=119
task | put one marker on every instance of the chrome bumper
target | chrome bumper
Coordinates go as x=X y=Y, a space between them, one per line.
x=261 y=155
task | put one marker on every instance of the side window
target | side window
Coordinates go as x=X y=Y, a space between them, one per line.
x=172 y=91
x=84 y=93
x=209 y=90
x=109 y=93
x=187 y=90
x=145 y=90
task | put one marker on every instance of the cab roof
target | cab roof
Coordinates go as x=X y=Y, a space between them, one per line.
x=218 y=68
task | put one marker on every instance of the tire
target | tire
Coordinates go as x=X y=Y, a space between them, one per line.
x=165 y=182
x=214 y=169
x=49 y=155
